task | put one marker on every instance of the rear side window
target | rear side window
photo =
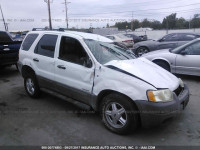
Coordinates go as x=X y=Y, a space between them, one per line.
x=46 y=45
x=111 y=37
x=188 y=37
x=29 y=41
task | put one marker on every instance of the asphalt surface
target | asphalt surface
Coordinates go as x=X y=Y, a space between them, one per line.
x=51 y=121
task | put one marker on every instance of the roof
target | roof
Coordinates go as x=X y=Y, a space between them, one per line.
x=194 y=33
x=80 y=34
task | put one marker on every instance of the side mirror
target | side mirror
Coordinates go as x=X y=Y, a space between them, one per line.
x=183 y=52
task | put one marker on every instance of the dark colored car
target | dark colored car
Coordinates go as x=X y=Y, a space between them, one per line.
x=172 y=40
x=9 y=49
x=136 y=38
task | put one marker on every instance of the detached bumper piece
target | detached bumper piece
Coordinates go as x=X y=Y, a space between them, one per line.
x=153 y=114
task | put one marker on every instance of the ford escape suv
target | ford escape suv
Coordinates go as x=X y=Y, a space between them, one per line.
x=92 y=70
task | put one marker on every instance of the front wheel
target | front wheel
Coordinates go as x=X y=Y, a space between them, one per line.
x=119 y=114
x=141 y=50
x=31 y=86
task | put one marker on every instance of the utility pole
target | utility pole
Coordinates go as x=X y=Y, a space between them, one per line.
x=167 y=26
x=5 y=24
x=132 y=22
x=66 y=10
x=49 y=11
x=190 y=23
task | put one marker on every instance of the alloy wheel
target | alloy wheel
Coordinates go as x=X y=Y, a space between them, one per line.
x=142 y=51
x=30 y=86
x=116 y=115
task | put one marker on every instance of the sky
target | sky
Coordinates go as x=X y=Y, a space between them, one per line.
x=27 y=14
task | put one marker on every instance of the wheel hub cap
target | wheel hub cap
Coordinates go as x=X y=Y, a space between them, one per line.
x=30 y=86
x=116 y=115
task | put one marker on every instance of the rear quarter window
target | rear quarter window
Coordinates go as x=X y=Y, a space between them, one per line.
x=29 y=41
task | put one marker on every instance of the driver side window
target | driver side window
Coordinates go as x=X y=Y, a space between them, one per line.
x=72 y=51
x=193 y=49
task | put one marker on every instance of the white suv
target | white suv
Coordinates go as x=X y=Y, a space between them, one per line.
x=91 y=70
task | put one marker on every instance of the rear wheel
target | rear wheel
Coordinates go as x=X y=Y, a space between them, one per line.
x=31 y=86
x=119 y=114
x=163 y=64
x=141 y=50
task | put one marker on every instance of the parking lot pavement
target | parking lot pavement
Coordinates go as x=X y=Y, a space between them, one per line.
x=51 y=121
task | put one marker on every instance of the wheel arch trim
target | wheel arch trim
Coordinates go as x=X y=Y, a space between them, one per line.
x=106 y=92
x=162 y=59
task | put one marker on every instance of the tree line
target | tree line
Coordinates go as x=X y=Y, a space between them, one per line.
x=169 y=22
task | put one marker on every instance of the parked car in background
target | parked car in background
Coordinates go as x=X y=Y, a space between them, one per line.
x=9 y=49
x=181 y=60
x=90 y=69
x=136 y=38
x=120 y=38
x=122 y=45
x=172 y=40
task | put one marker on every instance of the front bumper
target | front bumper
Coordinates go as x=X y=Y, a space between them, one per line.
x=152 y=113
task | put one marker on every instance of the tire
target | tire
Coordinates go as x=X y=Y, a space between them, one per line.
x=163 y=64
x=141 y=50
x=17 y=67
x=31 y=85
x=112 y=106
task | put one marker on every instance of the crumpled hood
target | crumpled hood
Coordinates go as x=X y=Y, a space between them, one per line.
x=147 y=71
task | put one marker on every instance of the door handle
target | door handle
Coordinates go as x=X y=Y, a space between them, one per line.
x=35 y=59
x=61 y=67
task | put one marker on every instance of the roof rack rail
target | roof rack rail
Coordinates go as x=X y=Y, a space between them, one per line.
x=45 y=29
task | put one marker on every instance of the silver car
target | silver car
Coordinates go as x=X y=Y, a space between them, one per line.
x=120 y=38
x=181 y=60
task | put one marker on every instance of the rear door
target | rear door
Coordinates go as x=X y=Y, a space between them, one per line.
x=189 y=63
x=74 y=70
x=43 y=60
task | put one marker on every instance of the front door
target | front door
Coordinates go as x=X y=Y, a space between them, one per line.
x=188 y=61
x=74 y=70
x=169 y=41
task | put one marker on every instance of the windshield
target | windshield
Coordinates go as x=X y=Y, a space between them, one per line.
x=106 y=52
